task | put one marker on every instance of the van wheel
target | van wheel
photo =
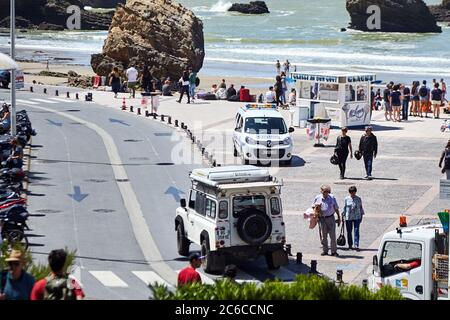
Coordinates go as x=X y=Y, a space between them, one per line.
x=269 y=261
x=207 y=261
x=235 y=153
x=182 y=242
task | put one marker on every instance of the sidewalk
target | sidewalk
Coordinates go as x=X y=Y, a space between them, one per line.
x=406 y=173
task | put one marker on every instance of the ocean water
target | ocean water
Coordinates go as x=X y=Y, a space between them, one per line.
x=305 y=32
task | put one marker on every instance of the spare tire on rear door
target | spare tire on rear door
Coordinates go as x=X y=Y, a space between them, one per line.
x=254 y=227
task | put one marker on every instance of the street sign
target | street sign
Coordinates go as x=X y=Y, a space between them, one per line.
x=20 y=81
x=444 y=189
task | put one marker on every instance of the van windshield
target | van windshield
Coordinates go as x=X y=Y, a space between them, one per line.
x=265 y=126
x=244 y=204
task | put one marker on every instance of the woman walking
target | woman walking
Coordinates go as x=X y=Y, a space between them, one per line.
x=146 y=79
x=114 y=81
x=353 y=214
x=436 y=100
x=184 y=82
x=343 y=147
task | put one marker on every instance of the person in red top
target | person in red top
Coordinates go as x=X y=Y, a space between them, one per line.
x=58 y=285
x=189 y=274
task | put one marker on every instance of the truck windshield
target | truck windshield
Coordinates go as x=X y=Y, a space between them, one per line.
x=244 y=204
x=265 y=126
x=395 y=253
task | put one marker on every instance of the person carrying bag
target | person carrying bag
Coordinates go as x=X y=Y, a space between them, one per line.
x=341 y=240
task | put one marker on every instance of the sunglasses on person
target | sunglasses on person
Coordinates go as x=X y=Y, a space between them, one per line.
x=13 y=264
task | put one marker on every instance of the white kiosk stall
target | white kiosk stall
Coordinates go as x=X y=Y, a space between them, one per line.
x=342 y=97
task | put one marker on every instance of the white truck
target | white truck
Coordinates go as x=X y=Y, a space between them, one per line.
x=232 y=212
x=414 y=260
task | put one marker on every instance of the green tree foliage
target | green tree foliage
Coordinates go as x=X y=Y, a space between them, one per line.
x=305 y=287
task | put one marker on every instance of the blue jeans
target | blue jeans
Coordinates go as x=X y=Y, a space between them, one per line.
x=405 y=104
x=368 y=160
x=352 y=225
x=192 y=90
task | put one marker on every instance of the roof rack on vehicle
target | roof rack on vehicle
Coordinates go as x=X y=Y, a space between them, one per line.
x=231 y=174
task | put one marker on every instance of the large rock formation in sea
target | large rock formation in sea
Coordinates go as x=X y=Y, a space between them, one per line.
x=159 y=33
x=51 y=14
x=254 y=7
x=395 y=16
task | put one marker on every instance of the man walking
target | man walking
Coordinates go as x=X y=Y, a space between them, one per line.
x=424 y=93
x=132 y=75
x=368 y=146
x=327 y=223
x=58 y=285
x=189 y=275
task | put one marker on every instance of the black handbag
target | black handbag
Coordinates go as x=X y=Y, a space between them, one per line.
x=334 y=159
x=341 y=240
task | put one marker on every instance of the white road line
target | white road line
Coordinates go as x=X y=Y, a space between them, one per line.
x=150 y=277
x=139 y=225
x=45 y=101
x=26 y=101
x=62 y=100
x=283 y=274
x=109 y=279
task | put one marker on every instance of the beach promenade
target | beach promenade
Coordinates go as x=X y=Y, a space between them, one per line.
x=406 y=173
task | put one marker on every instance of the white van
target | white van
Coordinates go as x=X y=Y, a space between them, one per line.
x=261 y=133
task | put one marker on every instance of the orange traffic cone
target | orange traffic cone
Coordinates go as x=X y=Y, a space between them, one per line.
x=124 y=104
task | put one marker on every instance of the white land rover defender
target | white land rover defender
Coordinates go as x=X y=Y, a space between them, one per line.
x=232 y=211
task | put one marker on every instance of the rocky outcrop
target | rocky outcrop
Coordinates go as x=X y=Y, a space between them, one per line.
x=441 y=12
x=159 y=33
x=31 y=14
x=395 y=16
x=254 y=7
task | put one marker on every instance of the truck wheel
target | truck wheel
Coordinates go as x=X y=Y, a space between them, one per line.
x=207 y=261
x=269 y=261
x=182 y=242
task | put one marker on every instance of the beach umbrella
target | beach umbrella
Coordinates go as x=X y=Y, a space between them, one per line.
x=7 y=63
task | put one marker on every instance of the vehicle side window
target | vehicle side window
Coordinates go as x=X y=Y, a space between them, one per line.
x=210 y=208
x=238 y=122
x=192 y=199
x=275 y=207
x=200 y=204
x=395 y=252
x=223 y=210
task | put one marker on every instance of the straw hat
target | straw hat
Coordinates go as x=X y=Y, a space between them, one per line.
x=16 y=255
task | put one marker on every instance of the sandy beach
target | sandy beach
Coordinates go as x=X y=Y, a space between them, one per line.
x=32 y=70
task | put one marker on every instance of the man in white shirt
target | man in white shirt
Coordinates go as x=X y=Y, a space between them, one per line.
x=132 y=75
x=270 y=95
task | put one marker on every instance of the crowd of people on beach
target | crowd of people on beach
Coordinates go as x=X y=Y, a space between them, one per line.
x=400 y=101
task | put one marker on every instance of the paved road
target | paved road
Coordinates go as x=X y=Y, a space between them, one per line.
x=99 y=181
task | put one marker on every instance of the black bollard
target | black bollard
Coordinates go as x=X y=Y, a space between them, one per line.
x=313 y=266
x=203 y=151
x=68 y=94
x=182 y=125
x=214 y=164
x=299 y=257
x=131 y=109
x=31 y=89
x=154 y=116
x=147 y=114
x=193 y=139
x=45 y=90
x=162 y=118
x=56 y=93
x=139 y=111
x=77 y=96
x=339 y=274
x=169 y=121
x=364 y=283
x=176 y=123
